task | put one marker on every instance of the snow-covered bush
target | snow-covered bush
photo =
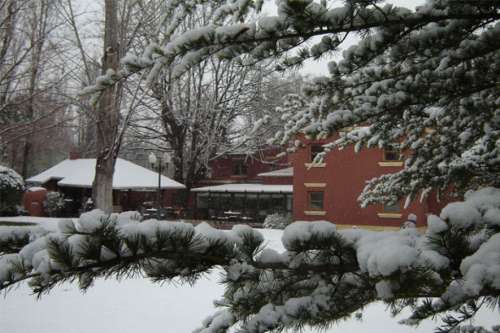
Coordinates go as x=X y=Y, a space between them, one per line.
x=54 y=204
x=277 y=221
x=324 y=274
x=11 y=191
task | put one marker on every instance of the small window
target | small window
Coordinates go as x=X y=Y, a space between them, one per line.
x=202 y=200
x=315 y=150
x=392 y=208
x=392 y=153
x=289 y=203
x=239 y=168
x=316 y=200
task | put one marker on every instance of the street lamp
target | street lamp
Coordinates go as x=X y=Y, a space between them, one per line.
x=157 y=163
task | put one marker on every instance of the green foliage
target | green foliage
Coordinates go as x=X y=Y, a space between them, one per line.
x=54 y=204
x=11 y=191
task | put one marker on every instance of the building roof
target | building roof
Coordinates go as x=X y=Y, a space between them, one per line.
x=287 y=172
x=249 y=188
x=81 y=172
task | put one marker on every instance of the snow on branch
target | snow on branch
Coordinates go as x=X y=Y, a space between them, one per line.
x=297 y=21
x=324 y=275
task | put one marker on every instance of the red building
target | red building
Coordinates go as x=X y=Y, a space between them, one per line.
x=329 y=190
x=245 y=186
x=245 y=167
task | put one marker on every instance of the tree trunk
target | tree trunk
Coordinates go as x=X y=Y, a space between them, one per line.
x=107 y=116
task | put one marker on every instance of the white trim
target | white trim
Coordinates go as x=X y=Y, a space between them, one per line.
x=249 y=188
x=315 y=212
x=391 y=164
x=390 y=215
x=315 y=165
x=315 y=185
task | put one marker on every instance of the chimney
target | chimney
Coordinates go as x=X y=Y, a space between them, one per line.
x=74 y=155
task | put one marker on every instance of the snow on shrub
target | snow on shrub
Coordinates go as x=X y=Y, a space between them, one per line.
x=11 y=190
x=277 y=221
x=54 y=204
x=454 y=262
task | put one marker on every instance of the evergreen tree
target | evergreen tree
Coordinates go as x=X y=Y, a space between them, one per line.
x=427 y=78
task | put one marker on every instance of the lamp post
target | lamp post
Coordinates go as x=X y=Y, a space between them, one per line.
x=158 y=163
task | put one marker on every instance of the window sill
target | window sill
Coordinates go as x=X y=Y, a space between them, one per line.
x=315 y=212
x=315 y=165
x=390 y=215
x=315 y=185
x=391 y=164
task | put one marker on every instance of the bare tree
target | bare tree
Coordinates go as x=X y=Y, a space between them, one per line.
x=107 y=115
x=202 y=114
x=30 y=101
x=100 y=123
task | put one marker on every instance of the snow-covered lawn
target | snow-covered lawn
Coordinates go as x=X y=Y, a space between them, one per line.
x=138 y=305
x=46 y=222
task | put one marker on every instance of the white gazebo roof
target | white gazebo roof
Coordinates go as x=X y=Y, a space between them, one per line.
x=287 y=172
x=81 y=172
x=249 y=188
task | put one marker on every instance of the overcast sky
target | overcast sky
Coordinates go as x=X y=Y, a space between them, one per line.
x=270 y=8
x=320 y=67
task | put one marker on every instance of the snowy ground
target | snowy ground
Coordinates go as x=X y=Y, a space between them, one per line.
x=138 y=305
x=46 y=222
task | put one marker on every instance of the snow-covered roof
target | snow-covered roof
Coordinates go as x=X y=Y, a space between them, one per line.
x=254 y=188
x=81 y=172
x=287 y=172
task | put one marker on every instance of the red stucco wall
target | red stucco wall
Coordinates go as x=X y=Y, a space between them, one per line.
x=345 y=174
x=276 y=180
x=262 y=161
x=33 y=202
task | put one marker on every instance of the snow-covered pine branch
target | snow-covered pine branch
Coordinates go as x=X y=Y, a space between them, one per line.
x=324 y=275
x=433 y=90
x=297 y=22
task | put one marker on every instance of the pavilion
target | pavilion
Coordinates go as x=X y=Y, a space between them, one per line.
x=132 y=184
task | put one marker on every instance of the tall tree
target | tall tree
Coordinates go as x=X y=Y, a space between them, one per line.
x=32 y=101
x=107 y=114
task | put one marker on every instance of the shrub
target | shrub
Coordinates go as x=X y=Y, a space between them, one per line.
x=54 y=204
x=277 y=221
x=11 y=191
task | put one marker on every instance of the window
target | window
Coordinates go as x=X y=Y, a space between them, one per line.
x=239 y=168
x=392 y=208
x=392 y=153
x=316 y=200
x=251 y=202
x=315 y=150
x=238 y=201
x=278 y=203
x=289 y=202
x=202 y=200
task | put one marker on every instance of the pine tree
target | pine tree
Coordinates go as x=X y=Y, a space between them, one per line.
x=427 y=78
